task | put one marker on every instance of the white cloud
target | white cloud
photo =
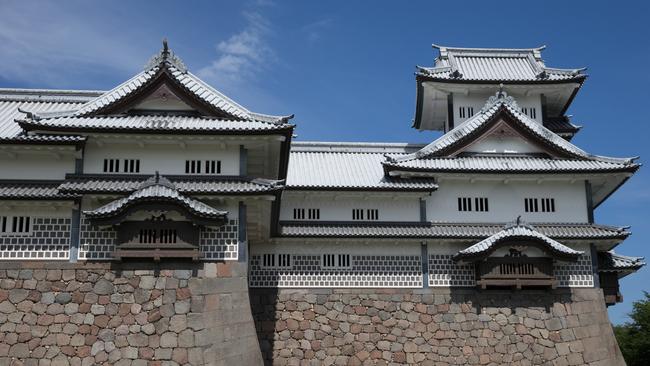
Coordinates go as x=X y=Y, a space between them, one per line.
x=243 y=55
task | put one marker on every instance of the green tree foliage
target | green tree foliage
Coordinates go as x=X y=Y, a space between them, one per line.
x=634 y=337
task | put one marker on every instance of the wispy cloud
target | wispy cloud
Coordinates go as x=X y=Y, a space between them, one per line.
x=45 y=43
x=243 y=55
x=314 y=30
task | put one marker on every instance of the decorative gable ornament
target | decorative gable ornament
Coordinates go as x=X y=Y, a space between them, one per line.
x=500 y=97
x=166 y=56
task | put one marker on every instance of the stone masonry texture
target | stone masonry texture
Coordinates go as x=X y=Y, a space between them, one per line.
x=99 y=313
x=120 y=314
x=434 y=327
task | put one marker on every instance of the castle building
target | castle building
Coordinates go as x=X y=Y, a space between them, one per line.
x=165 y=168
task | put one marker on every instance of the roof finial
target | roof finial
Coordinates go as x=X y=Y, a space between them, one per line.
x=518 y=220
x=165 y=46
x=157 y=177
x=500 y=93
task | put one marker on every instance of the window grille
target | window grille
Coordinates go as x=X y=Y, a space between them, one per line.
x=298 y=213
x=336 y=261
x=276 y=260
x=533 y=204
x=480 y=204
x=530 y=112
x=202 y=167
x=357 y=214
x=314 y=214
x=465 y=111
x=373 y=214
x=15 y=224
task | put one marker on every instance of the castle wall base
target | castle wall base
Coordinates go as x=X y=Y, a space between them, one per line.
x=54 y=313
x=434 y=327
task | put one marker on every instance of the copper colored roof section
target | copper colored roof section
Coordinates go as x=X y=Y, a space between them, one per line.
x=496 y=65
x=422 y=230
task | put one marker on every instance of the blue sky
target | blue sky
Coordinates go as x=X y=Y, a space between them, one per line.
x=346 y=68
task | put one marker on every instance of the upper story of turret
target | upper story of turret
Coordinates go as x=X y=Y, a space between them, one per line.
x=462 y=79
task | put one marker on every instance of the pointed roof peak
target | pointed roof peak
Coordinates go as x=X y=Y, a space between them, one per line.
x=165 y=57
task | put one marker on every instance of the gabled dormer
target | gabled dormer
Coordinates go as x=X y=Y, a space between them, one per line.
x=499 y=139
x=454 y=89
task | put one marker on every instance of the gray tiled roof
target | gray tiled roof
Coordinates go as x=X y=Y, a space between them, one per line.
x=576 y=231
x=509 y=164
x=184 y=184
x=614 y=262
x=166 y=61
x=501 y=102
x=561 y=125
x=320 y=165
x=38 y=100
x=517 y=231
x=188 y=124
x=152 y=193
x=32 y=190
x=495 y=65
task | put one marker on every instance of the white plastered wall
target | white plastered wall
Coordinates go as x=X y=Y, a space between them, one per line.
x=506 y=201
x=477 y=101
x=166 y=158
x=340 y=208
x=36 y=165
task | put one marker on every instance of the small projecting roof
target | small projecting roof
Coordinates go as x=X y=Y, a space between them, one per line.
x=614 y=262
x=516 y=232
x=156 y=189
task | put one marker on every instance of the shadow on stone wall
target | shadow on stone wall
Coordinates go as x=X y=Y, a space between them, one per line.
x=433 y=326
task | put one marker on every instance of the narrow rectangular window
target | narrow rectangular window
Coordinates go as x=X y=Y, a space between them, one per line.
x=284 y=260
x=4 y=223
x=298 y=213
x=470 y=111
x=372 y=214
x=268 y=260
x=314 y=214
x=187 y=167
x=357 y=214
x=105 y=165
x=14 y=224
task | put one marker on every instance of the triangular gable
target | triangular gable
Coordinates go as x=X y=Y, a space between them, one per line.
x=501 y=108
x=515 y=234
x=504 y=138
x=166 y=72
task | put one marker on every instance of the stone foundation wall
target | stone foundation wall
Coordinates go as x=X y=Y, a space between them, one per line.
x=434 y=327
x=121 y=314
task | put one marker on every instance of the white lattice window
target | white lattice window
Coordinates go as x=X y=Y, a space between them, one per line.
x=370 y=214
x=313 y=214
x=539 y=204
x=336 y=261
x=465 y=111
x=276 y=261
x=478 y=204
x=298 y=213
x=530 y=112
x=131 y=166
x=15 y=224
x=202 y=167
